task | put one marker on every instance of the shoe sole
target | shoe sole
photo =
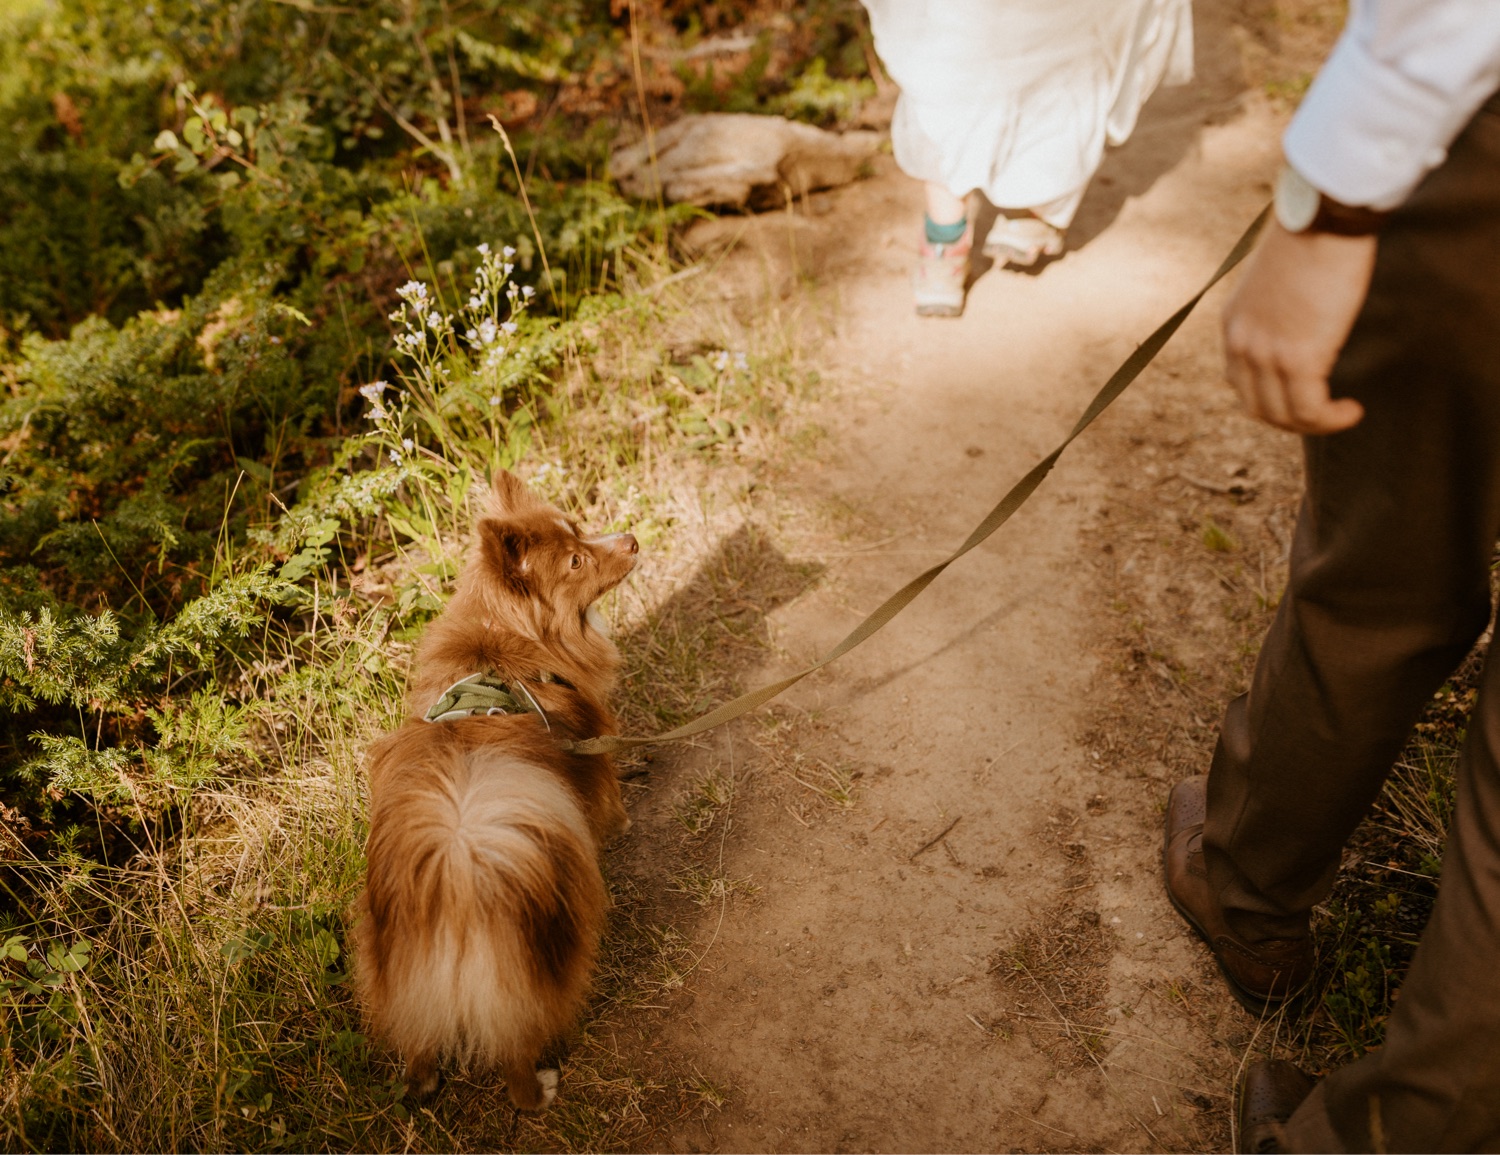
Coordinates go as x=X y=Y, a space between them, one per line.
x=1007 y=257
x=1005 y=253
x=1256 y=1004
x=940 y=310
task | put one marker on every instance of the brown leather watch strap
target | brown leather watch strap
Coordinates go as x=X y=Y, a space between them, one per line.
x=1347 y=220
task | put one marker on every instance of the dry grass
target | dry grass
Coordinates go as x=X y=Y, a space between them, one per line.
x=1055 y=975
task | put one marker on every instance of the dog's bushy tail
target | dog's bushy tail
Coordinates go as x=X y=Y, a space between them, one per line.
x=482 y=909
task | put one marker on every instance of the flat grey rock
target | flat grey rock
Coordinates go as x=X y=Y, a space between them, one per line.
x=740 y=160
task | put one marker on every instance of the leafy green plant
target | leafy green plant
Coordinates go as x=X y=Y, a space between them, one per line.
x=822 y=98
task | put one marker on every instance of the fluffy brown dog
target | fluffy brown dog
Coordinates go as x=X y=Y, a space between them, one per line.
x=483 y=901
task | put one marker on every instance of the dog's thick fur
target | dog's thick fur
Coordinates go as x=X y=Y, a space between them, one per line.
x=483 y=903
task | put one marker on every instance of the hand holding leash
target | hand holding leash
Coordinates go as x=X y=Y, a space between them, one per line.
x=1287 y=321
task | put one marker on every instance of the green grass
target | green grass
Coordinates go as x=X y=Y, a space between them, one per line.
x=214 y=1009
x=700 y=806
x=1218 y=539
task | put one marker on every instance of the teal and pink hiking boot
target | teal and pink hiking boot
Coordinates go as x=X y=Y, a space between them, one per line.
x=942 y=275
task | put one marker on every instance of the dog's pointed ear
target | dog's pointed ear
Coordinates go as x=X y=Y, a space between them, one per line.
x=504 y=547
x=509 y=493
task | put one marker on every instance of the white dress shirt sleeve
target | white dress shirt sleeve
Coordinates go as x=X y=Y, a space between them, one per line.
x=1400 y=84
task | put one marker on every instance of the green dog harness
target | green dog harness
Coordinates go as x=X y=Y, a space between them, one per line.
x=481 y=695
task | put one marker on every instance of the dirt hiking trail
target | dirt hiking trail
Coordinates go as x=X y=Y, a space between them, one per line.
x=935 y=921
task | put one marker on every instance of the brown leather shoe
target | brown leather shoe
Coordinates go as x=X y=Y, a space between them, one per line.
x=1272 y=1091
x=1260 y=976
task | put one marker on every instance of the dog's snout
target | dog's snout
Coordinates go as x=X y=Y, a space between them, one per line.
x=618 y=542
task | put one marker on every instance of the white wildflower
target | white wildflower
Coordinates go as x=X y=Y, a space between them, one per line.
x=494 y=401
x=484 y=250
x=408 y=444
x=509 y=327
x=508 y=251
x=528 y=292
x=373 y=390
x=395 y=458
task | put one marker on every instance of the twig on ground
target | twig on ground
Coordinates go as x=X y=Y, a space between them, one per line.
x=1039 y=1123
x=928 y=845
x=1238 y=489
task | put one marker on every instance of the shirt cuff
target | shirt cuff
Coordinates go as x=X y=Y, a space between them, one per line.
x=1366 y=134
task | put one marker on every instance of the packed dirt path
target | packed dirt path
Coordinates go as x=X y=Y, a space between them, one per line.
x=1017 y=984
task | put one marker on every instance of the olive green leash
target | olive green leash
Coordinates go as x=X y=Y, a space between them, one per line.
x=1144 y=354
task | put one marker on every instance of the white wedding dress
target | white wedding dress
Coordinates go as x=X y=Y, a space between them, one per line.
x=1017 y=98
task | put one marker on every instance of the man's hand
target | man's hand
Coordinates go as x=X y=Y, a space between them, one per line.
x=1287 y=321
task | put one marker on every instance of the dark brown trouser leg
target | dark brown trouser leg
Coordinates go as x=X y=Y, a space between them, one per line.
x=1389 y=588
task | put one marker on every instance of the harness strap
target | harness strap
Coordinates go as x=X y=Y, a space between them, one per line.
x=482 y=695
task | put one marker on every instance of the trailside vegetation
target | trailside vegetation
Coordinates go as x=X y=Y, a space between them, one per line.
x=283 y=284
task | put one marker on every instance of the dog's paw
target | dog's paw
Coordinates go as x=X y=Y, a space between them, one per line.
x=547 y=1077
x=616 y=821
x=422 y=1079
